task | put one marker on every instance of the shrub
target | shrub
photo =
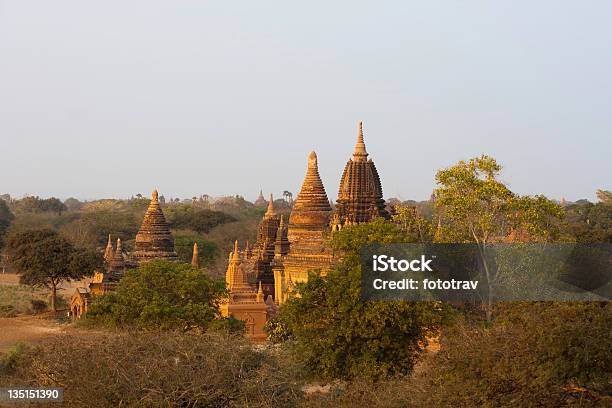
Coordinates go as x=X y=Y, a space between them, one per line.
x=38 y=306
x=164 y=295
x=156 y=369
x=533 y=354
x=12 y=358
x=8 y=311
x=336 y=335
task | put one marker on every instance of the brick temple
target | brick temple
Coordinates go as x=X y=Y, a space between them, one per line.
x=284 y=253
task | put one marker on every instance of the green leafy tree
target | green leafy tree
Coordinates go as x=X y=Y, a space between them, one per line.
x=46 y=259
x=72 y=204
x=37 y=204
x=198 y=220
x=476 y=207
x=589 y=223
x=183 y=244
x=99 y=223
x=52 y=205
x=165 y=295
x=409 y=218
x=6 y=217
x=336 y=335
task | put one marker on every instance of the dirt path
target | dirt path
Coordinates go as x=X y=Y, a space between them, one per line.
x=27 y=329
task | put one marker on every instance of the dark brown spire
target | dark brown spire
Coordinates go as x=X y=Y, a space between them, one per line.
x=360 y=196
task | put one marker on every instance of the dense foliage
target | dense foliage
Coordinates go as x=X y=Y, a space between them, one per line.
x=336 y=335
x=165 y=295
x=6 y=217
x=534 y=354
x=590 y=223
x=195 y=219
x=37 y=204
x=44 y=258
x=183 y=244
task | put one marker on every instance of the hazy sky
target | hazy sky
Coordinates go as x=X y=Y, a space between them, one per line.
x=114 y=98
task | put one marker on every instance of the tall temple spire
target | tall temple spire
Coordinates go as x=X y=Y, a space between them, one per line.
x=360 y=153
x=195 y=258
x=108 y=252
x=270 y=211
x=235 y=255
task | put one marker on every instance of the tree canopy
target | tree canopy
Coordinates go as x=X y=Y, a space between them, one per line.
x=336 y=335
x=195 y=219
x=44 y=258
x=6 y=217
x=164 y=295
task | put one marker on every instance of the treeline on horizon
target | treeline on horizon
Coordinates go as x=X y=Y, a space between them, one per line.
x=215 y=223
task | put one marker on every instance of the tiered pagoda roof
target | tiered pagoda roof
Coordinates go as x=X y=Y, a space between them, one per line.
x=154 y=239
x=310 y=216
x=360 y=197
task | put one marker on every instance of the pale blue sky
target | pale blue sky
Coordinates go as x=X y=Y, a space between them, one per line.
x=113 y=98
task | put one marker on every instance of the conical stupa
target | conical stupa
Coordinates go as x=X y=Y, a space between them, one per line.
x=306 y=235
x=154 y=239
x=261 y=201
x=195 y=257
x=311 y=209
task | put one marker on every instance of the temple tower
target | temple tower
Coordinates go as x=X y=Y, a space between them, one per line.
x=360 y=197
x=154 y=239
x=264 y=248
x=261 y=201
x=306 y=234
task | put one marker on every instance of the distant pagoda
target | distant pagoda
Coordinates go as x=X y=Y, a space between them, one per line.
x=360 y=197
x=154 y=239
x=261 y=201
